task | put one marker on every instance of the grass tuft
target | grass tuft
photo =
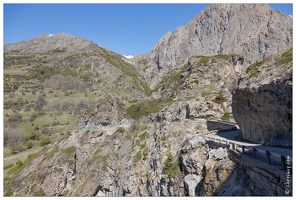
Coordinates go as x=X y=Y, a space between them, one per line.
x=171 y=167
x=226 y=116
x=138 y=157
x=205 y=59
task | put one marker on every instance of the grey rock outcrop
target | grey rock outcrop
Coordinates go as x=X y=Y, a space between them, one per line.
x=108 y=112
x=218 y=154
x=201 y=89
x=191 y=181
x=255 y=31
x=262 y=104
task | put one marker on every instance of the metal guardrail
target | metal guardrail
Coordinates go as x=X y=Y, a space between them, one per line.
x=227 y=122
x=253 y=149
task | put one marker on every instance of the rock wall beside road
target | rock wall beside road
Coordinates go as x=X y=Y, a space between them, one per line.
x=262 y=103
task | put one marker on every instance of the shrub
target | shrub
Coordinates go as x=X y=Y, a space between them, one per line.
x=44 y=140
x=45 y=130
x=19 y=163
x=226 y=116
x=170 y=166
x=40 y=101
x=23 y=92
x=17 y=148
x=14 y=120
x=33 y=91
x=33 y=136
x=29 y=144
x=120 y=130
x=220 y=98
x=36 y=128
x=33 y=117
x=145 y=154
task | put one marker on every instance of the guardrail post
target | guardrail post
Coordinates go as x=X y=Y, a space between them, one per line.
x=234 y=146
x=268 y=157
x=207 y=148
x=283 y=161
x=243 y=147
x=254 y=152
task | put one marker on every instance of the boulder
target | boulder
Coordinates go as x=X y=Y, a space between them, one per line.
x=191 y=181
x=218 y=154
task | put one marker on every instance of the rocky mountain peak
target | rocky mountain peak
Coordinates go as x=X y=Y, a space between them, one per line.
x=254 y=31
x=49 y=42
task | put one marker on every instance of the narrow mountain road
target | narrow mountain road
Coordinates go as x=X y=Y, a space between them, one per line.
x=112 y=129
x=230 y=137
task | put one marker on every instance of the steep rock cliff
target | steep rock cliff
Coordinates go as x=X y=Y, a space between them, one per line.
x=262 y=103
x=255 y=31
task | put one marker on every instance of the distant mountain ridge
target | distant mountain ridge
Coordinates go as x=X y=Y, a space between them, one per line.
x=49 y=42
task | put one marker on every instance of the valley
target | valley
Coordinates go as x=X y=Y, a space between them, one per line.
x=81 y=120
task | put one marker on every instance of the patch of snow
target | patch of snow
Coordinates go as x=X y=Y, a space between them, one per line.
x=128 y=57
x=51 y=35
x=291 y=16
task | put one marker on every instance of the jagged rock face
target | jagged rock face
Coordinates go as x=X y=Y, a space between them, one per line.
x=255 y=31
x=108 y=112
x=201 y=89
x=48 y=42
x=262 y=104
x=173 y=162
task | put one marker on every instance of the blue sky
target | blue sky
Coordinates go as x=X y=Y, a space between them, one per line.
x=128 y=29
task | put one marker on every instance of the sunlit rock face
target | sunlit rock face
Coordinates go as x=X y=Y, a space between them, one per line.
x=254 y=31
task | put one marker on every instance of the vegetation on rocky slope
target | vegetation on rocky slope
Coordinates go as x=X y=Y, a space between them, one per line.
x=134 y=141
x=147 y=106
x=45 y=92
x=281 y=60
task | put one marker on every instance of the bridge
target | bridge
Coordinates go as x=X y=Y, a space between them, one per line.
x=272 y=155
